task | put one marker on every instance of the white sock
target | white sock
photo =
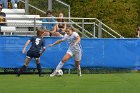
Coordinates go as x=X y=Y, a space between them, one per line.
x=79 y=70
x=60 y=65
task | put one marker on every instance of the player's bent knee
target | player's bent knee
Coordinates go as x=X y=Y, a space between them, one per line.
x=37 y=59
x=77 y=61
x=63 y=61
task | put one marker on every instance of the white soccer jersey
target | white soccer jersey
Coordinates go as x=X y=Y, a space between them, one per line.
x=71 y=40
x=73 y=49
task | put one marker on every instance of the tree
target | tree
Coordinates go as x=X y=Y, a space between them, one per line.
x=120 y=15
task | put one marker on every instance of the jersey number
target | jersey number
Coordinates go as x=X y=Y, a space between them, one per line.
x=37 y=41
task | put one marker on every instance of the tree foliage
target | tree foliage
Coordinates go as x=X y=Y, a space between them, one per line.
x=121 y=15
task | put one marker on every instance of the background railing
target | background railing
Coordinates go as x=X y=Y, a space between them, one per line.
x=87 y=27
x=96 y=29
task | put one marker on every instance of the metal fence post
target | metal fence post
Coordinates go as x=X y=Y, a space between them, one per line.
x=94 y=32
x=26 y=7
x=69 y=13
x=34 y=26
x=69 y=71
x=50 y=5
x=83 y=28
x=100 y=30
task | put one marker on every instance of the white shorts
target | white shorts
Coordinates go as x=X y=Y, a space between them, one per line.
x=76 y=54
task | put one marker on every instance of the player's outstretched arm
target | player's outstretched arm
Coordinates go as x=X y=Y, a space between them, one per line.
x=24 y=49
x=55 y=43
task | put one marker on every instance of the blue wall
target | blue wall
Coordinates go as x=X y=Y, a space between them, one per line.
x=118 y=53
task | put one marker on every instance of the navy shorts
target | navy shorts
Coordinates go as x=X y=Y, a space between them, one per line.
x=33 y=54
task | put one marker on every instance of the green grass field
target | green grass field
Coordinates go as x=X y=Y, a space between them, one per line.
x=88 y=83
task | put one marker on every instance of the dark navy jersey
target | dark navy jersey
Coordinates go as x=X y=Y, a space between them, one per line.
x=37 y=43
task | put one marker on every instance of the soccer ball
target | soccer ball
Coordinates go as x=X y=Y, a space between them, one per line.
x=59 y=73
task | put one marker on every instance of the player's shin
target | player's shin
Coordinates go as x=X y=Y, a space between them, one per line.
x=79 y=71
x=60 y=65
x=77 y=64
x=39 y=69
x=23 y=68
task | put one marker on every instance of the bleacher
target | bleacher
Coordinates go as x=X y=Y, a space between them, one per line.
x=19 y=23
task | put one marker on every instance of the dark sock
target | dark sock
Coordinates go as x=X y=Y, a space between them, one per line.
x=39 y=68
x=23 y=68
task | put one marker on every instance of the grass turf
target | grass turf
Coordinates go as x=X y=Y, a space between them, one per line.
x=88 y=83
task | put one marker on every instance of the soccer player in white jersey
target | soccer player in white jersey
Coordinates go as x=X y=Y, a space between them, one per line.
x=74 y=50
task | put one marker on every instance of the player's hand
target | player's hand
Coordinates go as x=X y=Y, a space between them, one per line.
x=74 y=44
x=41 y=53
x=24 y=50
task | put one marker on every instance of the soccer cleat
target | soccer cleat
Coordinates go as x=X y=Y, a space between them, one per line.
x=18 y=75
x=79 y=73
x=53 y=74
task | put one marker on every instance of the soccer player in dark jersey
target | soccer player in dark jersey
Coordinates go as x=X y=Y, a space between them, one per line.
x=36 y=50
